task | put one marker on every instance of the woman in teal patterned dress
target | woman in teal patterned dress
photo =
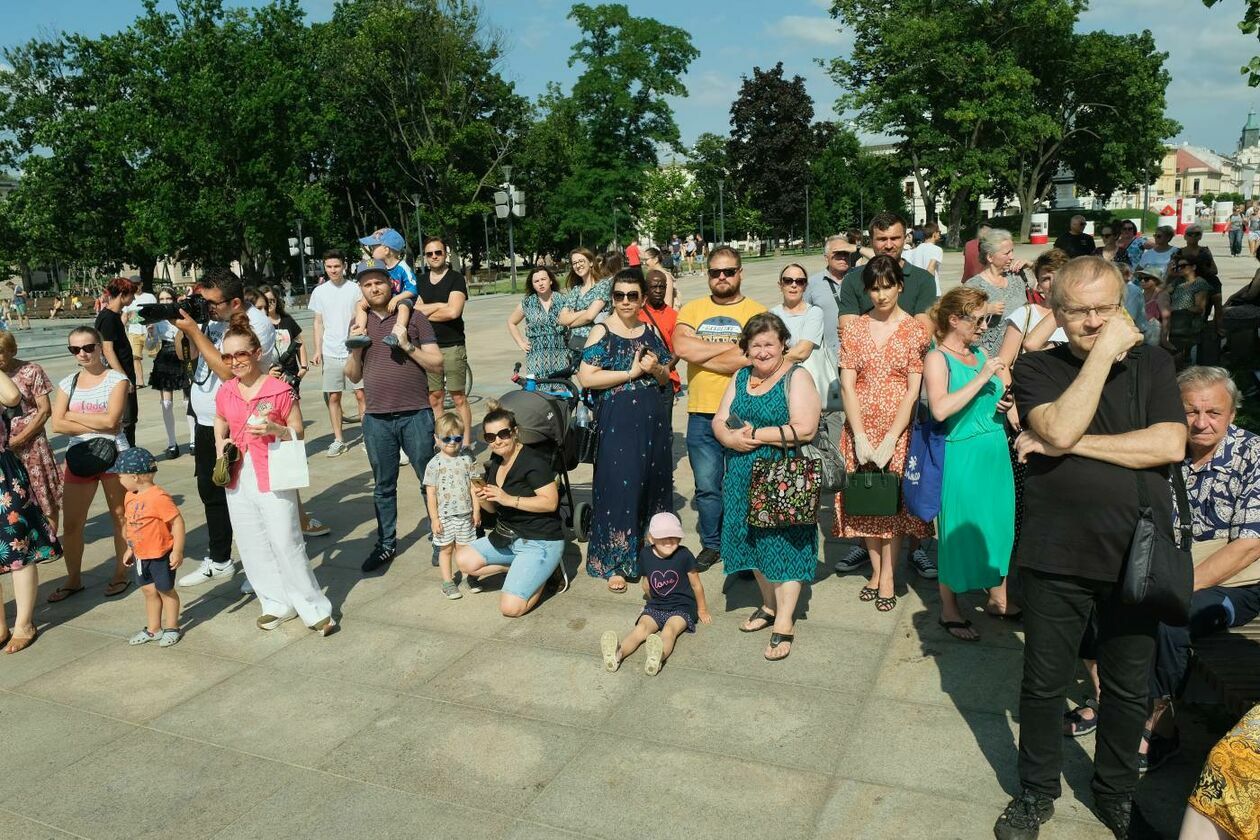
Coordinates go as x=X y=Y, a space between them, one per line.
x=781 y=559
x=543 y=339
x=587 y=298
x=627 y=364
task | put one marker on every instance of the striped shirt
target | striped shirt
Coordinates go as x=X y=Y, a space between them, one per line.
x=391 y=381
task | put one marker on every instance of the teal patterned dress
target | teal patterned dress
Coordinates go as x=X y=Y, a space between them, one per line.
x=780 y=554
x=548 y=353
x=577 y=300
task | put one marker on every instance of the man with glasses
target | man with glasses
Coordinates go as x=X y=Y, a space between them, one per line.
x=1086 y=456
x=706 y=338
x=823 y=290
x=1076 y=242
x=443 y=293
x=224 y=295
x=396 y=391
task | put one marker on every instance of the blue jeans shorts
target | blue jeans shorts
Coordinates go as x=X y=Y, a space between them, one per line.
x=529 y=562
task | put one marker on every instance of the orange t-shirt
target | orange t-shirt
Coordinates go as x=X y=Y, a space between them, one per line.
x=149 y=514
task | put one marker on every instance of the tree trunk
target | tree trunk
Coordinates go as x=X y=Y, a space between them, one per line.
x=1027 y=201
x=957 y=203
x=148 y=269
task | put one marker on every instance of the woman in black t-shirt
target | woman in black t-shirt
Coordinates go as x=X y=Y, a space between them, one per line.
x=527 y=541
x=290 y=350
x=116 y=347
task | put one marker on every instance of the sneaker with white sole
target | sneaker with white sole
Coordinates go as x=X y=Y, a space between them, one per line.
x=403 y=460
x=208 y=571
x=315 y=528
x=854 y=560
x=337 y=447
x=247 y=588
x=451 y=590
x=271 y=622
x=923 y=564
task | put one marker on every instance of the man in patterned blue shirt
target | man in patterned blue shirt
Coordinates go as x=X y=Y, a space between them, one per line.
x=1222 y=472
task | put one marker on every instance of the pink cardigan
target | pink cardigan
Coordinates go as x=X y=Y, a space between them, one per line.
x=273 y=401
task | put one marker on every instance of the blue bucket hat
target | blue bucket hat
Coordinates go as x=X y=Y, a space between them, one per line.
x=388 y=237
x=134 y=461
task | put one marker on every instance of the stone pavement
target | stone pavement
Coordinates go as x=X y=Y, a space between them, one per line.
x=430 y=718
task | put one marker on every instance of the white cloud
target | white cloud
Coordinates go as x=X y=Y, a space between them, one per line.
x=710 y=89
x=808 y=29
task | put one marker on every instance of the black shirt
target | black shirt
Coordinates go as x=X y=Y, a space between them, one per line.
x=288 y=333
x=1080 y=513
x=110 y=325
x=669 y=588
x=1076 y=244
x=529 y=472
x=449 y=333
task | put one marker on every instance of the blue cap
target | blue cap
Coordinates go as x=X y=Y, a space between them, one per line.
x=134 y=461
x=367 y=267
x=388 y=237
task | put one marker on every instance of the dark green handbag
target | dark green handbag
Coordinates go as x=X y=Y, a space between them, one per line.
x=872 y=493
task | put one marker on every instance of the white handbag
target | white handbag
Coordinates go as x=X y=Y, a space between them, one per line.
x=286 y=463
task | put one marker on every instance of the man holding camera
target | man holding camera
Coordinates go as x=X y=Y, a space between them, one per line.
x=223 y=295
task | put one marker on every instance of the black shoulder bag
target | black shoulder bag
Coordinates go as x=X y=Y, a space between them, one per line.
x=1159 y=572
x=92 y=456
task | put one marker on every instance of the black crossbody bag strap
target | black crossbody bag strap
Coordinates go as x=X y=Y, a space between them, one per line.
x=1138 y=417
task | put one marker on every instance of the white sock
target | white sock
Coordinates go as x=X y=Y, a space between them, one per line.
x=192 y=430
x=168 y=420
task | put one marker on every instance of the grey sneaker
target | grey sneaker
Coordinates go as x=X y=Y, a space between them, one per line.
x=451 y=590
x=923 y=564
x=854 y=560
x=169 y=637
x=337 y=447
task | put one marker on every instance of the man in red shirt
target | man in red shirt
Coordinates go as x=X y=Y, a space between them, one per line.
x=664 y=317
x=971 y=255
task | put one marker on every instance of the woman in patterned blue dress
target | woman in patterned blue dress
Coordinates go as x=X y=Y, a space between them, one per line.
x=543 y=340
x=627 y=364
x=782 y=559
x=586 y=299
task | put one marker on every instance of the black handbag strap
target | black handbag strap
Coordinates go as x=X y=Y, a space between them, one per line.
x=1137 y=414
x=74 y=383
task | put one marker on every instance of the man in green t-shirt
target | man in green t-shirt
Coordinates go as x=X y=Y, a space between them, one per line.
x=706 y=338
x=888 y=236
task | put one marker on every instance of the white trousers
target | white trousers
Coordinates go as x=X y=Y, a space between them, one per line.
x=273 y=552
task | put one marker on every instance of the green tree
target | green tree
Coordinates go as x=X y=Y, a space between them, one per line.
x=850 y=185
x=771 y=145
x=671 y=202
x=1251 y=25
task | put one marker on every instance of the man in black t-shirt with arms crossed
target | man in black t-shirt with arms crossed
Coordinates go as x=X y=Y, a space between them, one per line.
x=443 y=293
x=1085 y=457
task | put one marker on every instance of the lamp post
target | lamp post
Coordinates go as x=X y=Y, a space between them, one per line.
x=721 y=212
x=807 y=217
x=614 y=217
x=415 y=202
x=509 y=202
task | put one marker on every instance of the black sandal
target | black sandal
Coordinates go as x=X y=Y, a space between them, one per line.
x=777 y=639
x=867 y=593
x=950 y=626
x=759 y=614
x=1076 y=724
x=886 y=604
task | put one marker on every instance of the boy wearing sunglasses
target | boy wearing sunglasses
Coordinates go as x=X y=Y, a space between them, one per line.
x=448 y=483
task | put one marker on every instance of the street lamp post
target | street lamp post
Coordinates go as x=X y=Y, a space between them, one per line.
x=614 y=217
x=509 y=202
x=721 y=212
x=415 y=202
x=485 y=229
x=807 y=217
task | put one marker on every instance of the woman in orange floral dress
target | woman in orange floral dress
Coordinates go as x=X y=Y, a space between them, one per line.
x=881 y=361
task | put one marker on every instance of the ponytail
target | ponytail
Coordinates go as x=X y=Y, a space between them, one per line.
x=239 y=327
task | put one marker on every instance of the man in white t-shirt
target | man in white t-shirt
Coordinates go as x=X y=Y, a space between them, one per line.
x=224 y=294
x=928 y=255
x=333 y=303
x=138 y=333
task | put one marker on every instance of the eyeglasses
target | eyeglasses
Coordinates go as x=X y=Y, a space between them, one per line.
x=1080 y=313
x=502 y=434
x=633 y=297
x=76 y=349
x=434 y=253
x=213 y=302
x=452 y=439
x=793 y=281
x=970 y=319
x=715 y=273
x=840 y=255
x=1107 y=233
x=243 y=357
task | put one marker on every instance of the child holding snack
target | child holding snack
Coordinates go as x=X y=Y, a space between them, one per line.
x=675 y=598
x=155 y=544
x=448 y=480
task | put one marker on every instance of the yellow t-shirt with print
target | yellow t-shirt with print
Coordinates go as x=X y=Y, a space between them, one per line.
x=715 y=323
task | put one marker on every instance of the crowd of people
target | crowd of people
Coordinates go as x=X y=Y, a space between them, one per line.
x=1061 y=415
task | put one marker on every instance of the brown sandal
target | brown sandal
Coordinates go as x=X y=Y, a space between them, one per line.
x=61 y=593
x=17 y=644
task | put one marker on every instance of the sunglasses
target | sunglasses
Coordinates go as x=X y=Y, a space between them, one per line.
x=77 y=349
x=452 y=439
x=434 y=253
x=715 y=273
x=242 y=356
x=793 y=281
x=840 y=255
x=633 y=297
x=502 y=434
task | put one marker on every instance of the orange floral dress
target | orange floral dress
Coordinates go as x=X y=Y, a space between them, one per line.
x=883 y=375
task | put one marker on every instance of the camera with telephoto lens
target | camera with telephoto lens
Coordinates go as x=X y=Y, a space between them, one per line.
x=194 y=306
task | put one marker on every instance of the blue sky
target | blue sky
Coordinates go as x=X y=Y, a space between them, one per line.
x=1207 y=94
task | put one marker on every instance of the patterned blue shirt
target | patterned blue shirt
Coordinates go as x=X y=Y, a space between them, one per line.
x=1224 y=493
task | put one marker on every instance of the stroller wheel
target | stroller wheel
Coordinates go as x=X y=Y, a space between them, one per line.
x=582 y=521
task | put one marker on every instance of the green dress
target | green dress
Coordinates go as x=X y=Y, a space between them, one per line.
x=780 y=554
x=976 y=525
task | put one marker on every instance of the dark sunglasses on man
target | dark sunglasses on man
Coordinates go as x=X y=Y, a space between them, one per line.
x=715 y=273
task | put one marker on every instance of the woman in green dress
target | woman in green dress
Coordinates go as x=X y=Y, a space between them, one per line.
x=976 y=525
x=768 y=402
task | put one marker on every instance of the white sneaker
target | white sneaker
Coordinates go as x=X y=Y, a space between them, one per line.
x=337 y=447
x=247 y=588
x=316 y=529
x=403 y=460
x=208 y=571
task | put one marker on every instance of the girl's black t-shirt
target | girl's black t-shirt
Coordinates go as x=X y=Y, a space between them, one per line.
x=529 y=472
x=669 y=588
x=288 y=333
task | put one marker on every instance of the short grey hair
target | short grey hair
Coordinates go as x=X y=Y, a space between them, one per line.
x=1077 y=218
x=1082 y=271
x=1198 y=377
x=835 y=237
x=991 y=240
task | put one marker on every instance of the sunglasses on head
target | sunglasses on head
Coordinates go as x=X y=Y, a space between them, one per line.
x=242 y=356
x=434 y=253
x=794 y=281
x=452 y=439
x=715 y=273
x=502 y=434
x=76 y=349
x=633 y=297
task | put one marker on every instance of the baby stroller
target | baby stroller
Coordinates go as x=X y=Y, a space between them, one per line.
x=545 y=411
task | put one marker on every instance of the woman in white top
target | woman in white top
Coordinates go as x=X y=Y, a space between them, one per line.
x=95 y=410
x=1021 y=334
x=805 y=322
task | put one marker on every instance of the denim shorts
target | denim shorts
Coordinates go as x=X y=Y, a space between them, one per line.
x=529 y=562
x=157 y=572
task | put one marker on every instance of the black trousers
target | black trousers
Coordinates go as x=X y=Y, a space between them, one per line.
x=130 y=415
x=1056 y=611
x=213 y=497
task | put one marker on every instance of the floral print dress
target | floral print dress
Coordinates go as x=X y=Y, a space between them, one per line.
x=37 y=455
x=548 y=353
x=25 y=537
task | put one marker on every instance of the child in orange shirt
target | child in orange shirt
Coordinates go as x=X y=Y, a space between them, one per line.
x=155 y=544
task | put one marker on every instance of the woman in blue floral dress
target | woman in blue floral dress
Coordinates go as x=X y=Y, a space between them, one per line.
x=587 y=298
x=626 y=362
x=543 y=339
x=782 y=559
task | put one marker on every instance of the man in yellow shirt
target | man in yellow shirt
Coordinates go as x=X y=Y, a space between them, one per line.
x=706 y=338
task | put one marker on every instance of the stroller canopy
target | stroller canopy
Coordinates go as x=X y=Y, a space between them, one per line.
x=540 y=418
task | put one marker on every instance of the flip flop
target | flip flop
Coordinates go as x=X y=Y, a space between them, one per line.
x=950 y=626
x=125 y=584
x=759 y=614
x=17 y=644
x=61 y=593
x=777 y=639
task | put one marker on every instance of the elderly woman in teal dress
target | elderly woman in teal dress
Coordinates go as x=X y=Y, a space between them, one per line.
x=773 y=401
x=625 y=362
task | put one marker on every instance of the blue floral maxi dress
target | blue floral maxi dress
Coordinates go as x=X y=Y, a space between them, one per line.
x=25 y=536
x=548 y=353
x=634 y=477
x=577 y=300
x=780 y=554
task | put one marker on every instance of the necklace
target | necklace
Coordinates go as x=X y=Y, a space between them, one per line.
x=756 y=382
x=959 y=353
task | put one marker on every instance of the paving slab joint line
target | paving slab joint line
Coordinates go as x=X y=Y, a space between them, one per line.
x=41 y=822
